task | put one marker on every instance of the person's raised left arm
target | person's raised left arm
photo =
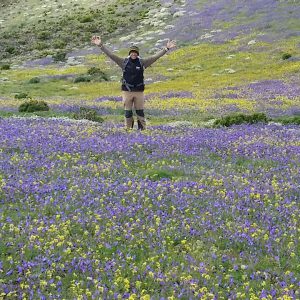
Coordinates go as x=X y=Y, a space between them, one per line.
x=150 y=60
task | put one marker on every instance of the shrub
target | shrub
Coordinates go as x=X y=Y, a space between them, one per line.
x=59 y=44
x=40 y=46
x=10 y=50
x=34 y=80
x=5 y=67
x=241 y=118
x=44 y=35
x=88 y=114
x=59 y=56
x=94 y=71
x=289 y=120
x=21 y=96
x=82 y=78
x=86 y=19
x=97 y=74
x=286 y=56
x=33 y=105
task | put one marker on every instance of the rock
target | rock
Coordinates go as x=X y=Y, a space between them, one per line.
x=146 y=22
x=125 y=38
x=169 y=26
x=155 y=24
x=230 y=71
x=162 y=41
x=206 y=36
x=252 y=42
x=73 y=63
x=162 y=33
x=179 y=13
x=164 y=9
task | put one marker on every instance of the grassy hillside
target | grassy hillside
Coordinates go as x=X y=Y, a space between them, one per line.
x=40 y=28
x=43 y=28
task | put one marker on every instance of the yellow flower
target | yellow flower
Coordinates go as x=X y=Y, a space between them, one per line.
x=138 y=284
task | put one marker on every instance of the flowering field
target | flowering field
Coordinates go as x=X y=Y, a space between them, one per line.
x=178 y=211
x=89 y=211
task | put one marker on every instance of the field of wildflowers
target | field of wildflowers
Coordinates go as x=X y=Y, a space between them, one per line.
x=178 y=211
x=199 y=81
x=89 y=211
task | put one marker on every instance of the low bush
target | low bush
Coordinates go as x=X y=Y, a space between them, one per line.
x=59 y=44
x=240 y=119
x=87 y=114
x=10 y=50
x=21 y=96
x=34 y=80
x=44 y=35
x=97 y=74
x=40 y=46
x=33 y=105
x=286 y=56
x=59 y=56
x=5 y=67
x=289 y=120
x=82 y=78
x=86 y=19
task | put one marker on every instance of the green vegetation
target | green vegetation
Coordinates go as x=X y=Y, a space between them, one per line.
x=33 y=105
x=237 y=119
x=88 y=114
x=59 y=56
x=53 y=30
x=21 y=96
x=289 y=120
x=34 y=80
x=93 y=74
x=286 y=56
x=5 y=67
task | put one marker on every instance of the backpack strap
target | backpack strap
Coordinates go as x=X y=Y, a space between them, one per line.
x=125 y=62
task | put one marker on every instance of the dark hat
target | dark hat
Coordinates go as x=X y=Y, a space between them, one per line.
x=134 y=49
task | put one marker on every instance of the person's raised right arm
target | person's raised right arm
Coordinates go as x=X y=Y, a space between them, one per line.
x=118 y=60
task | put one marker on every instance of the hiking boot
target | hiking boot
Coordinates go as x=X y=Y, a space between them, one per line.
x=129 y=122
x=141 y=123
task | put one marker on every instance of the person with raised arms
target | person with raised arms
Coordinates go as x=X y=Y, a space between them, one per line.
x=133 y=85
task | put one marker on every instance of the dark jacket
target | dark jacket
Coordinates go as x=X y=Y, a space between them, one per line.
x=133 y=73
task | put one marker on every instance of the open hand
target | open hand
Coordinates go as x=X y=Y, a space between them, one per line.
x=171 y=44
x=96 y=40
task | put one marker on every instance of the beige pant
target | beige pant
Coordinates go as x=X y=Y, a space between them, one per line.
x=136 y=100
x=133 y=98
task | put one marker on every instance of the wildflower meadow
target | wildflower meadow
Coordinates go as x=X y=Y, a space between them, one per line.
x=185 y=209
